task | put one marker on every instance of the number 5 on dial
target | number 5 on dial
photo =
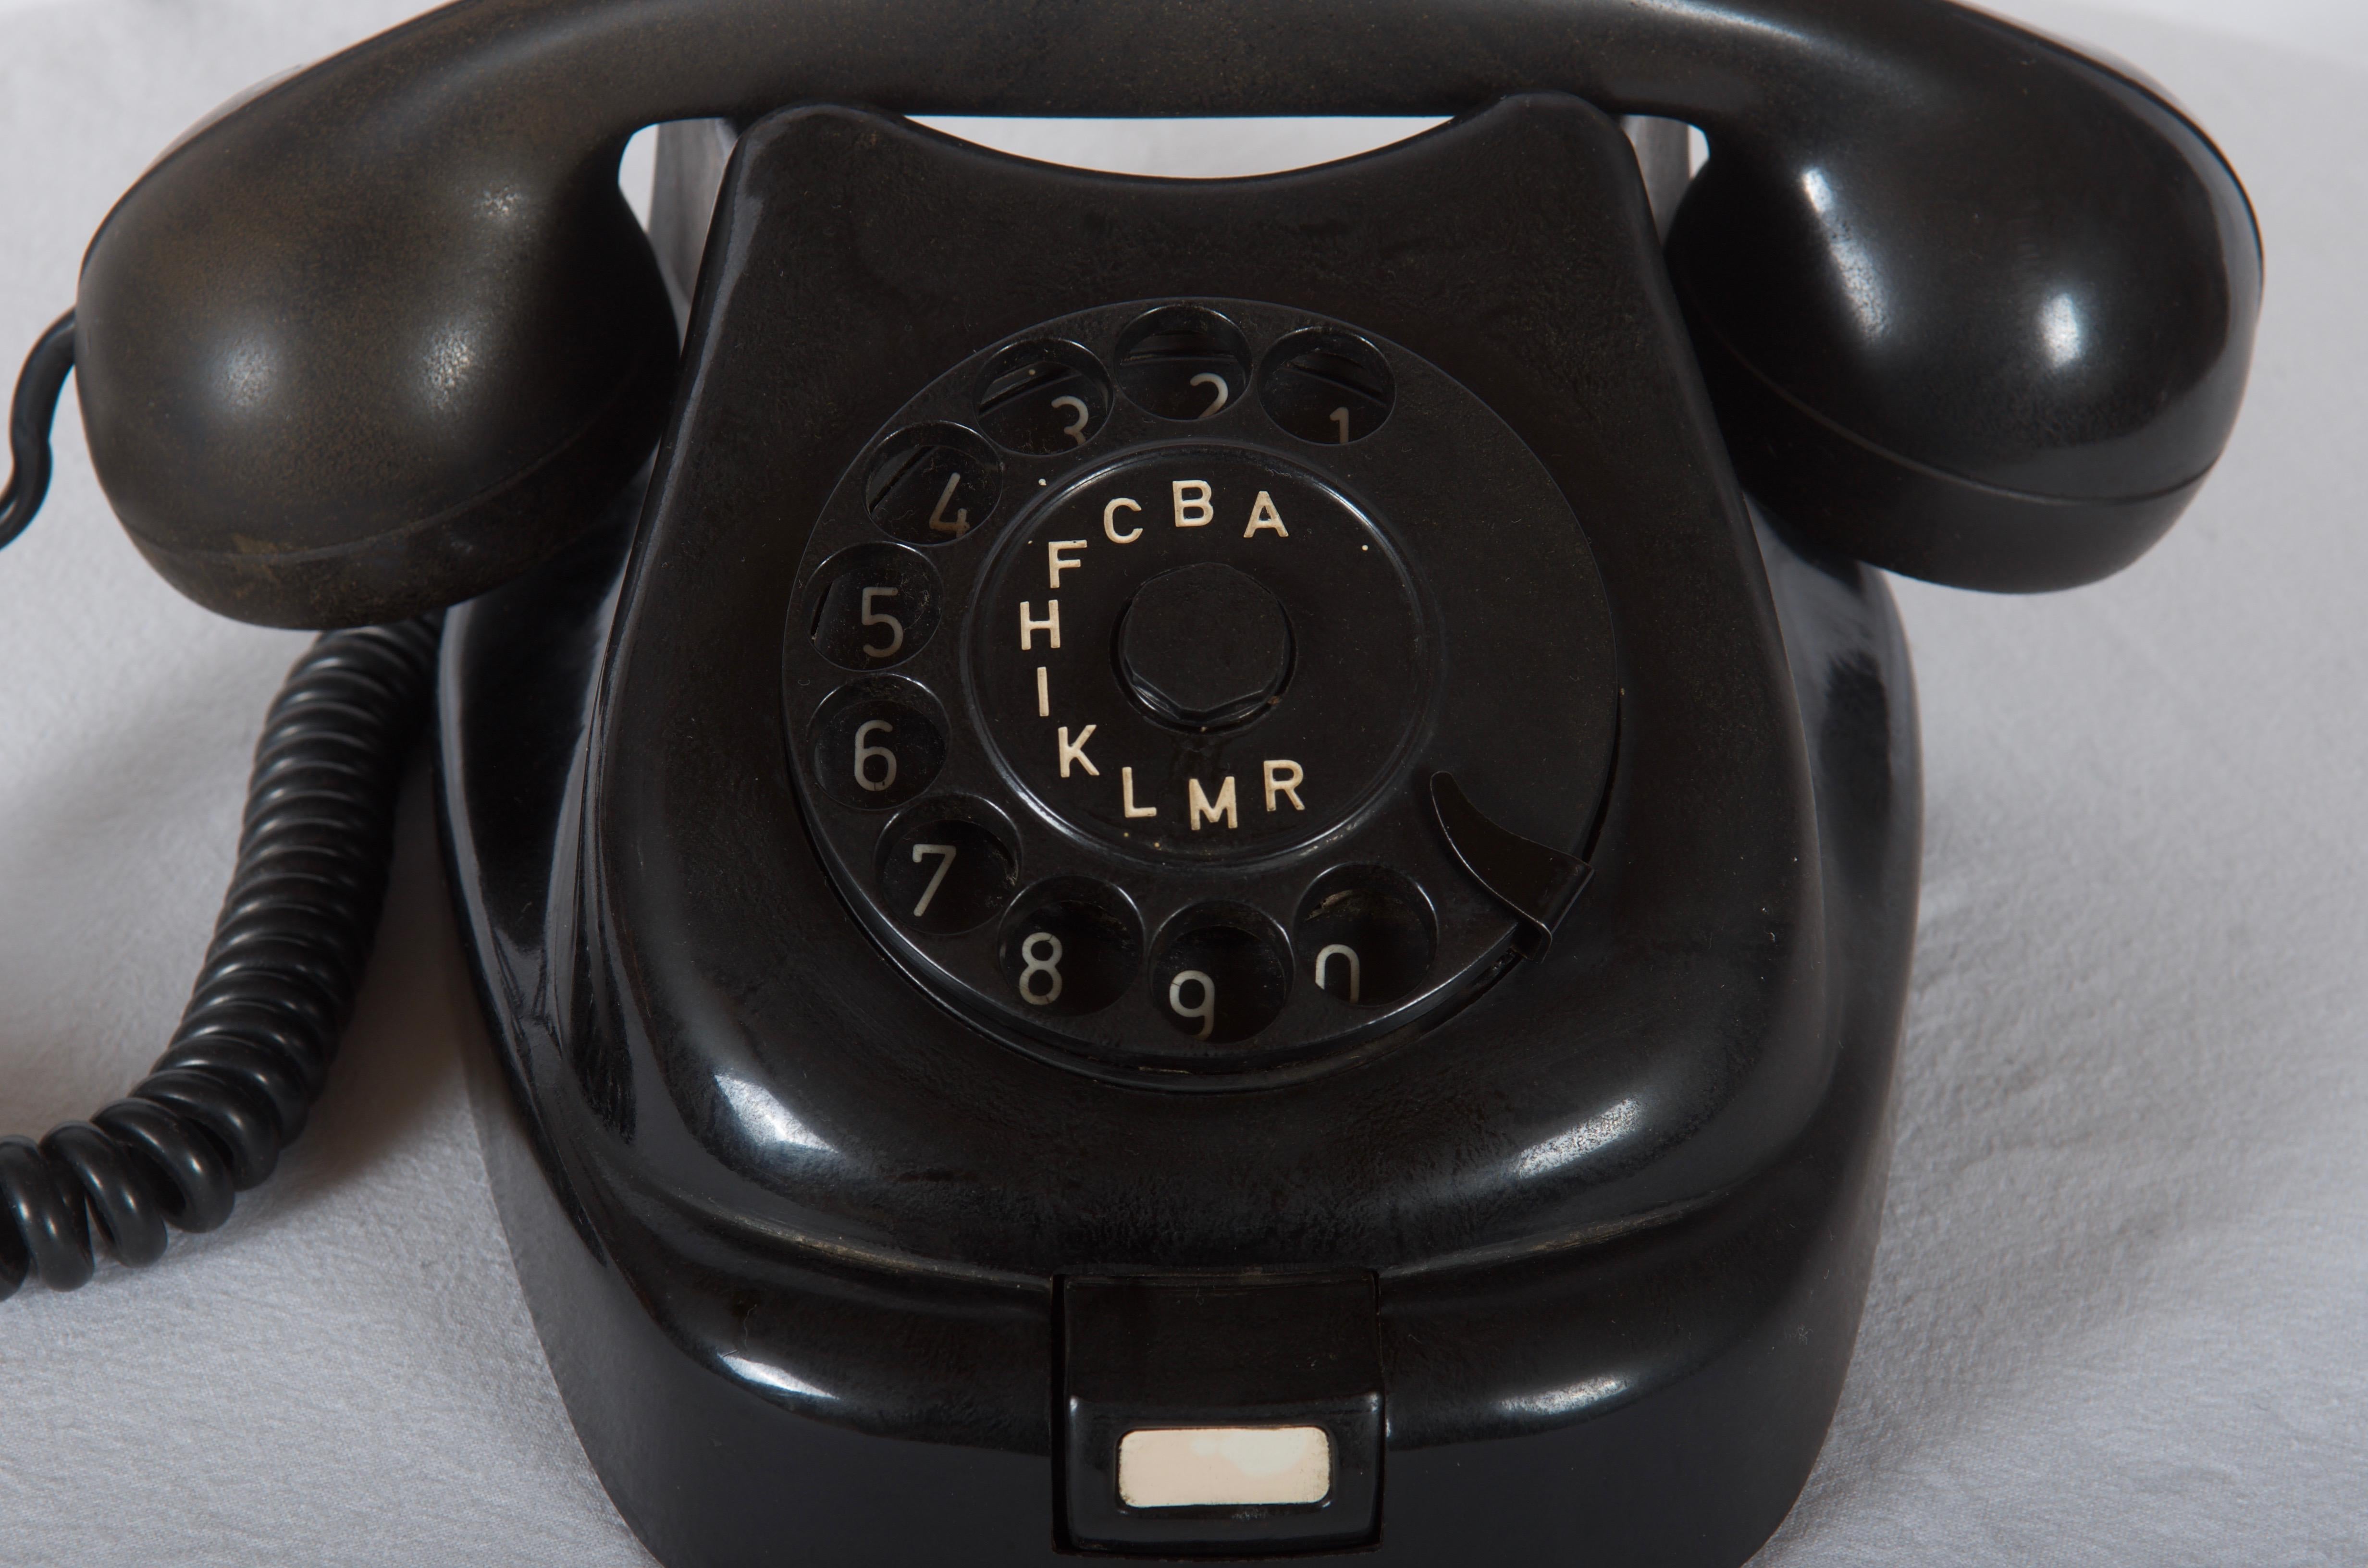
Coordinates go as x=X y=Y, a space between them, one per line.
x=895 y=643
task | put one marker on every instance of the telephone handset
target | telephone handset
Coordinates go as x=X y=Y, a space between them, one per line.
x=1184 y=879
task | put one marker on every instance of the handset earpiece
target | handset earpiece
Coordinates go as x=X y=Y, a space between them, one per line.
x=386 y=335
x=1989 y=327
x=334 y=388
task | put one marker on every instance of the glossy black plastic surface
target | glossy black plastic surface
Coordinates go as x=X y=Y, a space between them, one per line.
x=688 y=765
x=724 y=1382
x=794 y=1235
x=1972 y=306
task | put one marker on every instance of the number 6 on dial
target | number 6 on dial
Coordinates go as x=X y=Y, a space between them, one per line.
x=866 y=753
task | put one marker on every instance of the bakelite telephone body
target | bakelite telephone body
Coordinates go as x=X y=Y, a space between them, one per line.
x=1184 y=879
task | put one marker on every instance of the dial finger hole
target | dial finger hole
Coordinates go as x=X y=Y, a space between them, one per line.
x=873 y=607
x=932 y=484
x=1183 y=362
x=1365 y=935
x=1329 y=387
x=1043 y=397
x=878 y=743
x=1221 y=974
x=1070 y=946
x=947 y=865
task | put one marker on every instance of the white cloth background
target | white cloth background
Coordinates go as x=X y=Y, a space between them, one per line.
x=2120 y=1314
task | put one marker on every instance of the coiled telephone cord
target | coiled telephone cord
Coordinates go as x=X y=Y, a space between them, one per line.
x=253 y=1049
x=30 y=414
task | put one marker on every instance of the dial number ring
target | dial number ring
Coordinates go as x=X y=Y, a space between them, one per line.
x=1239 y=875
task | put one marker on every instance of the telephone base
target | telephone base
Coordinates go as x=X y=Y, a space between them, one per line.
x=1691 y=1364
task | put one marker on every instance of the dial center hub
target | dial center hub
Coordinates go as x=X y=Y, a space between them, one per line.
x=1204 y=646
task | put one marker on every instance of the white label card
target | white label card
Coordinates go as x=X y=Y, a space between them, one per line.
x=1202 y=1467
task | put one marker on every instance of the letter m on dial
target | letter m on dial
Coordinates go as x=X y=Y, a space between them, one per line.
x=1205 y=809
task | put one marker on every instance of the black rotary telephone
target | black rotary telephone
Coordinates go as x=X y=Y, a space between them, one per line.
x=1184 y=879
